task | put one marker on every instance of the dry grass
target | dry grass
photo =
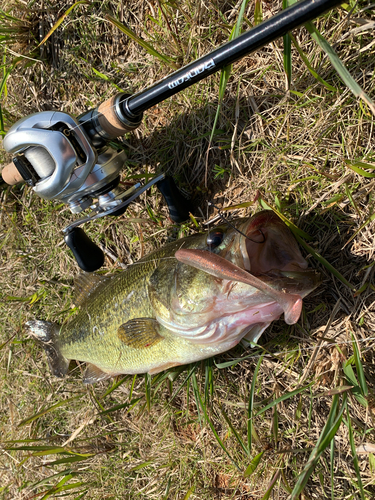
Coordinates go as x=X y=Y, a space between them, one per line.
x=289 y=146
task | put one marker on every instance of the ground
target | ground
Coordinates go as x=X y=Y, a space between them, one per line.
x=293 y=414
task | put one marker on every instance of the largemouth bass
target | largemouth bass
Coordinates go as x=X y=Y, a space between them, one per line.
x=190 y=300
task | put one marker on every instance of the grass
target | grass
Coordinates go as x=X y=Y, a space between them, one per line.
x=286 y=419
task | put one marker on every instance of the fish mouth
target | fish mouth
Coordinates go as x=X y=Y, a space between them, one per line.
x=269 y=245
x=271 y=252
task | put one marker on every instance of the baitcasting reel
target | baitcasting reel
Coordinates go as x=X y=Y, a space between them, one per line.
x=70 y=160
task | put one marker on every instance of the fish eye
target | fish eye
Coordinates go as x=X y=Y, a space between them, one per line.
x=214 y=238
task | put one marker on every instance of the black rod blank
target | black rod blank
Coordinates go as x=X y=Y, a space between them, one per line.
x=226 y=54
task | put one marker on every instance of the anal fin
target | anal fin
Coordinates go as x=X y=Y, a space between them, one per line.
x=163 y=367
x=94 y=374
x=139 y=333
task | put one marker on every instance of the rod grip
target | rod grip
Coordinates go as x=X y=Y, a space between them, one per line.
x=11 y=175
x=108 y=119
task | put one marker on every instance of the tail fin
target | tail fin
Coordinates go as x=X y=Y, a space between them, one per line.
x=47 y=333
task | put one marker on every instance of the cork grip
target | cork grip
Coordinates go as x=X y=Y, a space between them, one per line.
x=108 y=119
x=11 y=175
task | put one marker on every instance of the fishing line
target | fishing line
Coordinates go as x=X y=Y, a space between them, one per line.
x=224 y=219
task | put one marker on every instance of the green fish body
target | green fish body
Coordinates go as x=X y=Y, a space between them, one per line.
x=163 y=312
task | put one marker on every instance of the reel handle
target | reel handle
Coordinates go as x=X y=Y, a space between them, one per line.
x=88 y=255
x=179 y=207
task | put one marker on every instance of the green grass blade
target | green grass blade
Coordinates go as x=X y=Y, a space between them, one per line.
x=148 y=391
x=258 y=14
x=3 y=84
x=208 y=384
x=168 y=487
x=120 y=406
x=356 y=390
x=251 y=405
x=61 y=19
x=355 y=456
x=356 y=167
x=309 y=66
x=339 y=66
x=325 y=263
x=237 y=436
x=48 y=479
x=253 y=464
x=128 y=32
x=58 y=489
x=185 y=381
x=198 y=402
x=81 y=495
x=132 y=387
x=234 y=362
x=45 y=411
x=359 y=367
x=332 y=463
x=328 y=433
x=363 y=164
x=285 y=396
x=189 y=492
x=115 y=385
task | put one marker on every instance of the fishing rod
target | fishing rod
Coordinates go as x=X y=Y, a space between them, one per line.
x=73 y=160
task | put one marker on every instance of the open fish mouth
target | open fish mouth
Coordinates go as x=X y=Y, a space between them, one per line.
x=269 y=245
x=272 y=265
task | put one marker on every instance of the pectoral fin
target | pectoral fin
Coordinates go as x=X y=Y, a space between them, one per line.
x=253 y=334
x=139 y=333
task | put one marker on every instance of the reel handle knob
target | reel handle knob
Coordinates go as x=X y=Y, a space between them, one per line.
x=179 y=207
x=88 y=255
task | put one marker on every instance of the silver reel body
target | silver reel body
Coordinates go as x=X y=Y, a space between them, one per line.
x=54 y=153
x=67 y=167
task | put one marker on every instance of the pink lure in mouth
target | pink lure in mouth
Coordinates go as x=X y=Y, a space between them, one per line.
x=219 y=267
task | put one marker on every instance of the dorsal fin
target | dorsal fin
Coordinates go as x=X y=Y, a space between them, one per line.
x=85 y=284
